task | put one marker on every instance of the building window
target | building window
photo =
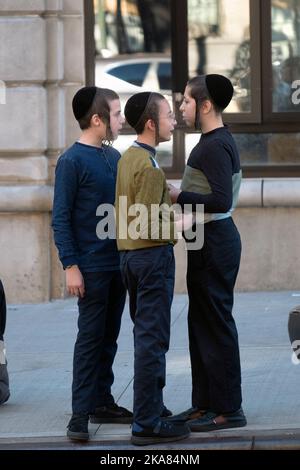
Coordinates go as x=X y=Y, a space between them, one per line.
x=285 y=17
x=219 y=42
x=158 y=44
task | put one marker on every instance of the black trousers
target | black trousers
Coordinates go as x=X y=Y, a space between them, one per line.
x=149 y=277
x=2 y=311
x=99 y=323
x=213 y=338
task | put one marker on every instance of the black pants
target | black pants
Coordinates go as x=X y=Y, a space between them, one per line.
x=213 y=338
x=2 y=311
x=149 y=277
x=99 y=322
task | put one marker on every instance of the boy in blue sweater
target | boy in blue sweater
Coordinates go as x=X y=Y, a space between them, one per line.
x=85 y=179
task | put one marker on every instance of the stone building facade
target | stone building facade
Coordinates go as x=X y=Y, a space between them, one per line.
x=42 y=64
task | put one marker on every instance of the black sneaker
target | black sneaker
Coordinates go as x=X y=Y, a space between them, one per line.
x=166 y=413
x=187 y=415
x=111 y=414
x=78 y=428
x=294 y=324
x=163 y=432
x=213 y=421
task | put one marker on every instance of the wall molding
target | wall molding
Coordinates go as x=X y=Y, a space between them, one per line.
x=256 y=192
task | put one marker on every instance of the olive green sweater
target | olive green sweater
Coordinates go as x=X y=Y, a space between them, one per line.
x=143 y=215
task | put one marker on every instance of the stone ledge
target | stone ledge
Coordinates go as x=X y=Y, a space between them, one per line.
x=267 y=192
x=279 y=192
x=254 y=193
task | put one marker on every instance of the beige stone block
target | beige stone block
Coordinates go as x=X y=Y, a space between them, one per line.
x=54 y=5
x=56 y=117
x=270 y=255
x=73 y=6
x=23 y=119
x=24 y=169
x=2 y=92
x=281 y=192
x=74 y=53
x=250 y=193
x=55 y=57
x=24 y=56
x=25 y=260
x=17 y=198
x=22 y=5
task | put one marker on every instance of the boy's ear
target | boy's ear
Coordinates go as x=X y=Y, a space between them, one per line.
x=150 y=125
x=207 y=106
x=96 y=121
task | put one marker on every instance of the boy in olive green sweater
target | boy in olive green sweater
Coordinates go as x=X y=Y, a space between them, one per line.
x=145 y=239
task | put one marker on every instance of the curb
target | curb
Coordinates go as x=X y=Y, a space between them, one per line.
x=288 y=439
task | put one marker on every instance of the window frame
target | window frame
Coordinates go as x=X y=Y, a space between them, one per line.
x=261 y=119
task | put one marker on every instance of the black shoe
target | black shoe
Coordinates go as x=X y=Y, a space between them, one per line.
x=187 y=415
x=165 y=412
x=78 y=428
x=213 y=421
x=294 y=325
x=163 y=432
x=111 y=414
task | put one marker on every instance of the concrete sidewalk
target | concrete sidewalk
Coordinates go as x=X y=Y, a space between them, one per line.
x=39 y=341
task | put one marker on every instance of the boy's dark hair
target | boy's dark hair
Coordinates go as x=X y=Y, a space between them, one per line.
x=215 y=88
x=93 y=100
x=140 y=108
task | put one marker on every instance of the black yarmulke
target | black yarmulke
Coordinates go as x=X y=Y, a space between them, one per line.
x=220 y=89
x=135 y=107
x=83 y=100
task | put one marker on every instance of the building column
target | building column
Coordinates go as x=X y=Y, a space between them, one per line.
x=42 y=65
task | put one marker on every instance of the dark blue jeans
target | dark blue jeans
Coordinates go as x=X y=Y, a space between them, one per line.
x=99 y=322
x=213 y=337
x=149 y=277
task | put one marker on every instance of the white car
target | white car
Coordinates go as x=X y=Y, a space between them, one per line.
x=133 y=75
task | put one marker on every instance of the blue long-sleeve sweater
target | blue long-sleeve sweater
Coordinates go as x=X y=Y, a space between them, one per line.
x=85 y=177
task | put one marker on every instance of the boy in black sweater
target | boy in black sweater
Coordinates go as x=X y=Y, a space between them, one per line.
x=212 y=177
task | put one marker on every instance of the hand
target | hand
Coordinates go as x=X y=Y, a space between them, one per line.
x=184 y=222
x=75 y=282
x=173 y=192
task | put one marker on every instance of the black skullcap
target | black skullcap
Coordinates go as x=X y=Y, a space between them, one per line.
x=83 y=100
x=220 y=89
x=135 y=107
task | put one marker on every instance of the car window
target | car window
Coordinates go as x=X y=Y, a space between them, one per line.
x=164 y=76
x=132 y=73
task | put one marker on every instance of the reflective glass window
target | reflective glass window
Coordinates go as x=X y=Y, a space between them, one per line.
x=219 y=42
x=286 y=55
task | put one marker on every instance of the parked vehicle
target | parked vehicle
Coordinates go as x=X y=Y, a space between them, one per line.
x=130 y=75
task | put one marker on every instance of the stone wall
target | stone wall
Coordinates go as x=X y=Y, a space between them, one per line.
x=42 y=64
